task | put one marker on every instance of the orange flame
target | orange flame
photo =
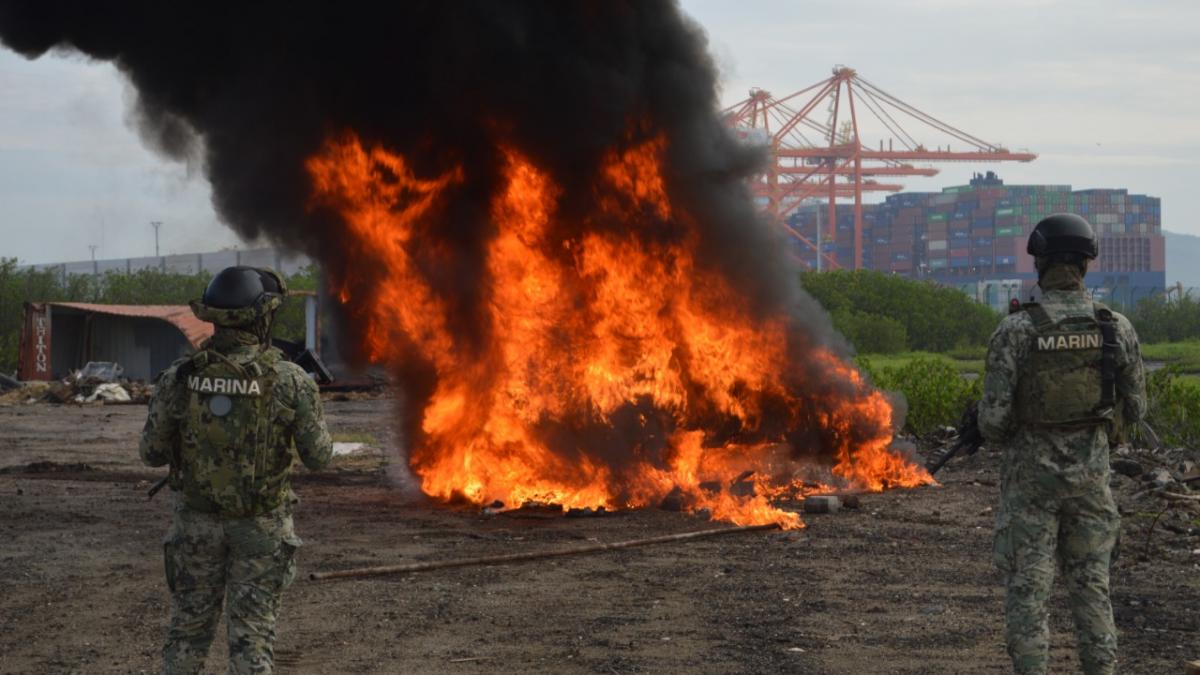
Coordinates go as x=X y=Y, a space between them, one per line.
x=615 y=369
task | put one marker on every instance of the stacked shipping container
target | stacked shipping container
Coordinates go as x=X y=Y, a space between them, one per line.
x=977 y=232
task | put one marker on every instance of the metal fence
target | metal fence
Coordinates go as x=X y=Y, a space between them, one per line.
x=187 y=263
x=999 y=294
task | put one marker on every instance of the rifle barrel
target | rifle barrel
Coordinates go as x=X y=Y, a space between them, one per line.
x=932 y=467
x=156 y=487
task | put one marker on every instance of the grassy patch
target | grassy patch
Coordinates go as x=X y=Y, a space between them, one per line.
x=978 y=353
x=898 y=361
x=1174 y=407
x=1184 y=355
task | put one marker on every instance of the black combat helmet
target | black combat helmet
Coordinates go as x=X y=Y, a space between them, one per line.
x=238 y=287
x=1063 y=233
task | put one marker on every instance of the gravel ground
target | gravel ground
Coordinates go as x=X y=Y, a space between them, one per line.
x=903 y=584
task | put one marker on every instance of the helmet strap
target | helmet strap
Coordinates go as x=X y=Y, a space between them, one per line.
x=263 y=326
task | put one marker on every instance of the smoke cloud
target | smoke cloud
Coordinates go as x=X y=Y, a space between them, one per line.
x=256 y=88
x=250 y=91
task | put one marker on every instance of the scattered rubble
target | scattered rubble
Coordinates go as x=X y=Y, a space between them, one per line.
x=8 y=383
x=587 y=512
x=1126 y=467
x=743 y=485
x=140 y=392
x=96 y=372
x=48 y=467
x=28 y=392
x=97 y=382
x=109 y=392
x=673 y=502
x=1162 y=496
x=536 y=510
x=1156 y=489
x=822 y=504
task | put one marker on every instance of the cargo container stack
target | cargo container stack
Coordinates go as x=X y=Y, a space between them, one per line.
x=974 y=235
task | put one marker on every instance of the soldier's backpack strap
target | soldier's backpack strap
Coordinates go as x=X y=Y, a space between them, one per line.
x=263 y=368
x=1040 y=317
x=1108 y=356
x=193 y=363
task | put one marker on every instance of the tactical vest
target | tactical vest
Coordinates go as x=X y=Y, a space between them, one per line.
x=1070 y=376
x=235 y=453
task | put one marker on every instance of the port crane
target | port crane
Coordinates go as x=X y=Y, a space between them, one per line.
x=826 y=159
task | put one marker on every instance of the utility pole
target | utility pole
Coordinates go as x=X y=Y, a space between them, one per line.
x=156 y=224
x=93 y=247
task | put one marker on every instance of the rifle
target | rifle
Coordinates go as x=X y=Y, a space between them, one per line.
x=162 y=482
x=969 y=436
x=969 y=439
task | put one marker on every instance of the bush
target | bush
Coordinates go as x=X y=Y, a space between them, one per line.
x=1162 y=320
x=1158 y=319
x=935 y=318
x=150 y=287
x=935 y=391
x=1174 y=408
x=871 y=333
x=289 y=322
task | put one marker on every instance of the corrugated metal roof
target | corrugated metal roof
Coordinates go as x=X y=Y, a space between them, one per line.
x=180 y=316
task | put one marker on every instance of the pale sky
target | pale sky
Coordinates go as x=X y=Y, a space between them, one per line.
x=1103 y=90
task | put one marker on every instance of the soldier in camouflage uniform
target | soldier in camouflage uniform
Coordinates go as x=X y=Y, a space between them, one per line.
x=226 y=419
x=1053 y=404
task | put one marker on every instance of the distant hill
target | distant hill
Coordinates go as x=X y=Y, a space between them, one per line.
x=1183 y=256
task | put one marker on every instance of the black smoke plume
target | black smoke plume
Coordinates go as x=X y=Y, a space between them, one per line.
x=251 y=90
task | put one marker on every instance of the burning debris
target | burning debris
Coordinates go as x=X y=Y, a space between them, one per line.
x=538 y=222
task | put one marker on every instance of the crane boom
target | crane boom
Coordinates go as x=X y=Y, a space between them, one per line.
x=804 y=168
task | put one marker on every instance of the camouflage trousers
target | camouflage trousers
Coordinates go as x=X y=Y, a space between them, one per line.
x=210 y=560
x=1077 y=533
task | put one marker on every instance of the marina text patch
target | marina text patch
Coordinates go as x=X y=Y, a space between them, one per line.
x=224 y=385
x=1068 y=341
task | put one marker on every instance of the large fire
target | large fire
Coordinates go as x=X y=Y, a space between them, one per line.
x=613 y=369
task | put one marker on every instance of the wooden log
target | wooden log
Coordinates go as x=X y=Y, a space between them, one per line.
x=1180 y=498
x=384 y=570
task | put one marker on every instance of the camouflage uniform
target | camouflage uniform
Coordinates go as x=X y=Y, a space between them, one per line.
x=1055 y=500
x=231 y=536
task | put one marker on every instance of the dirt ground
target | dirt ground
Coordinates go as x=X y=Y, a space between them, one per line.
x=904 y=584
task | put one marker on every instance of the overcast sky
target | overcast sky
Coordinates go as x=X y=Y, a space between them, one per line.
x=1105 y=91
